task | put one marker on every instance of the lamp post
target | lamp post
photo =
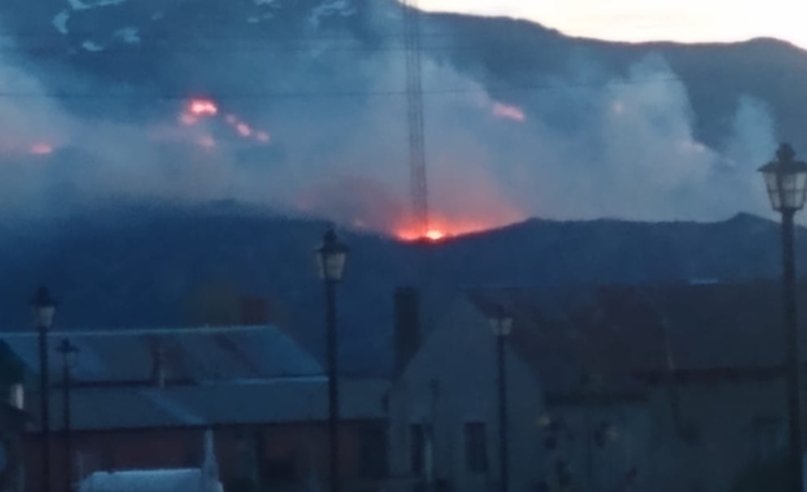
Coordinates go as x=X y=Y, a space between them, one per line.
x=44 y=307
x=786 y=180
x=331 y=257
x=68 y=351
x=502 y=325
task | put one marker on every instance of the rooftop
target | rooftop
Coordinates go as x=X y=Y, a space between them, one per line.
x=187 y=355
x=289 y=400
x=615 y=333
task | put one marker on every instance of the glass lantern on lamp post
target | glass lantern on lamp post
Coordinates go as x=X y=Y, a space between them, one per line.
x=502 y=325
x=43 y=308
x=786 y=181
x=331 y=257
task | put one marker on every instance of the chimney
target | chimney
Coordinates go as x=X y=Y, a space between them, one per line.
x=16 y=396
x=407 y=326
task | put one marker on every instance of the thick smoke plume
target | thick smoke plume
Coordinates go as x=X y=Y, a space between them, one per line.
x=623 y=147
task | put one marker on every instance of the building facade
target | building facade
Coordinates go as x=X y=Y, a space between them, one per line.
x=664 y=389
x=143 y=399
x=443 y=411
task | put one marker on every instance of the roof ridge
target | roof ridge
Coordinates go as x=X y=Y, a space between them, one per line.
x=191 y=330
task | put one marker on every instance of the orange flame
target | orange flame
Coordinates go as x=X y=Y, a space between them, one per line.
x=41 y=148
x=509 y=112
x=203 y=107
x=442 y=230
x=197 y=109
x=243 y=129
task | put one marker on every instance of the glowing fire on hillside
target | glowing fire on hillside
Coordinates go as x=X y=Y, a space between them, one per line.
x=197 y=110
x=509 y=112
x=41 y=148
x=443 y=229
x=203 y=107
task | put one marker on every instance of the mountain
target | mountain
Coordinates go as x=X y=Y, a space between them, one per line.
x=138 y=45
x=310 y=100
x=302 y=109
x=139 y=266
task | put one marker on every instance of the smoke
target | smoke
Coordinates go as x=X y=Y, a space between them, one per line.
x=622 y=146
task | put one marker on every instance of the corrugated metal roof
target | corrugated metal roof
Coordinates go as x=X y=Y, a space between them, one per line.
x=188 y=354
x=617 y=332
x=231 y=403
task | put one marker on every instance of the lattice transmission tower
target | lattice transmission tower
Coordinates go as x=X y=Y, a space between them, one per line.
x=414 y=95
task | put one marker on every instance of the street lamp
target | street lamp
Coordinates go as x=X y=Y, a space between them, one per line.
x=44 y=307
x=68 y=351
x=331 y=257
x=786 y=180
x=502 y=325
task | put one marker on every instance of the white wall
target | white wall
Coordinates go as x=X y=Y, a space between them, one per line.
x=451 y=381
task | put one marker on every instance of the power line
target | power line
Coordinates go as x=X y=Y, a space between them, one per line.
x=544 y=87
x=206 y=48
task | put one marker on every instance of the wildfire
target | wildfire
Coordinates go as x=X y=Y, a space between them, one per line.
x=509 y=112
x=197 y=110
x=243 y=129
x=202 y=107
x=435 y=234
x=442 y=227
x=441 y=231
x=41 y=148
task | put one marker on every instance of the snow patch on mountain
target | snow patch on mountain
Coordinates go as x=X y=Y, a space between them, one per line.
x=129 y=35
x=92 y=46
x=91 y=4
x=331 y=8
x=60 y=21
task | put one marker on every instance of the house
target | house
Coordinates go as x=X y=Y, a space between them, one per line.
x=663 y=388
x=12 y=423
x=143 y=399
x=443 y=407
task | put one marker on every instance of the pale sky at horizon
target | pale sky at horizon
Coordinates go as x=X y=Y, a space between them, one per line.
x=650 y=20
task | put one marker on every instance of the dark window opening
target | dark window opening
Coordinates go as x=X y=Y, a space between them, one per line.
x=476 y=448
x=280 y=469
x=373 y=453
x=768 y=435
x=417 y=452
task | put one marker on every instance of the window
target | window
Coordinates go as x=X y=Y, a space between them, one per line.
x=373 y=452
x=476 y=448
x=280 y=469
x=768 y=437
x=418 y=435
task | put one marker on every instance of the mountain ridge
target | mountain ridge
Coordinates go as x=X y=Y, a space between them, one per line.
x=151 y=270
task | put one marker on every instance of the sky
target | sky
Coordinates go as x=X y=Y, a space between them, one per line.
x=650 y=20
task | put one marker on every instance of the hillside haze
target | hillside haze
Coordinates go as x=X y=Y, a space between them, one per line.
x=155 y=267
x=128 y=126
x=521 y=121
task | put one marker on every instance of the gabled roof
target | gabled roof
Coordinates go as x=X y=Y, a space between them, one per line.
x=187 y=355
x=291 y=400
x=614 y=333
